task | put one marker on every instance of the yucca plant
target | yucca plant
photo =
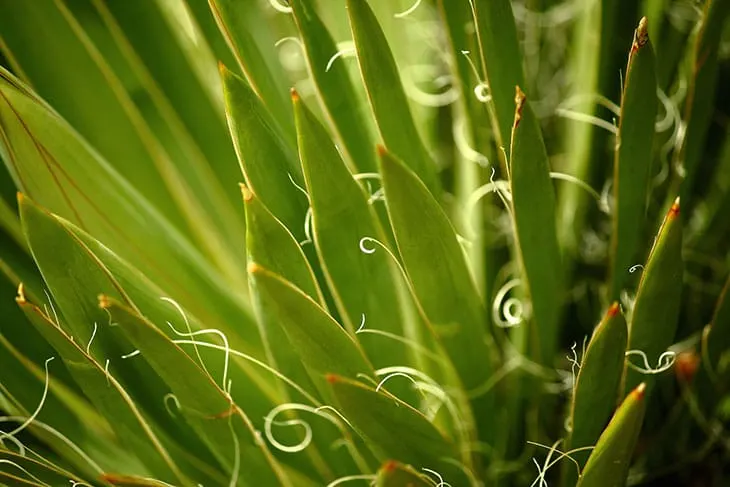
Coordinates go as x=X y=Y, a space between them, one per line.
x=475 y=242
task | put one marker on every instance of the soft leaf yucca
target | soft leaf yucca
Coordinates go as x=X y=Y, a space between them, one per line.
x=308 y=242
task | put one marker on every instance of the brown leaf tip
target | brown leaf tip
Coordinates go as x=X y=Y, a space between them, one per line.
x=674 y=210
x=247 y=193
x=20 y=298
x=519 y=104
x=686 y=366
x=294 y=95
x=381 y=150
x=640 y=391
x=641 y=36
x=389 y=466
x=332 y=378
x=253 y=268
x=613 y=310
x=104 y=301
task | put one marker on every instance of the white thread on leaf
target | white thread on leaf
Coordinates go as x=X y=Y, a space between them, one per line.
x=348 y=478
x=361 y=328
x=131 y=354
x=285 y=9
x=225 y=384
x=59 y=435
x=179 y=309
x=582 y=184
x=636 y=267
x=512 y=308
x=665 y=362
x=586 y=118
x=106 y=372
x=175 y=400
x=302 y=190
x=411 y=343
x=462 y=144
x=308 y=227
x=389 y=376
x=364 y=249
x=91 y=340
x=481 y=90
x=307 y=440
x=438 y=476
x=548 y=464
x=342 y=52
x=53 y=308
x=412 y=78
x=22 y=469
x=409 y=11
x=37 y=411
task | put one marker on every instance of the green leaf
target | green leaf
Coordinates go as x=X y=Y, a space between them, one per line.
x=61 y=172
x=362 y=284
x=533 y=212
x=386 y=95
x=393 y=428
x=256 y=57
x=107 y=394
x=23 y=467
x=608 y=465
x=323 y=346
x=436 y=267
x=268 y=161
x=501 y=60
x=219 y=422
x=394 y=474
x=656 y=309
x=633 y=161
x=270 y=245
x=700 y=101
x=597 y=385
x=345 y=111
x=55 y=61
x=717 y=336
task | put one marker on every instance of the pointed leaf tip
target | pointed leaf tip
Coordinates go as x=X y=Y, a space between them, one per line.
x=20 y=298
x=520 y=98
x=104 y=301
x=381 y=150
x=294 y=95
x=390 y=466
x=640 y=391
x=254 y=268
x=613 y=310
x=332 y=378
x=246 y=192
x=674 y=210
x=642 y=34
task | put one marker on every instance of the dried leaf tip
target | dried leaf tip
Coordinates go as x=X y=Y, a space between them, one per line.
x=519 y=104
x=381 y=150
x=613 y=310
x=104 y=301
x=686 y=366
x=332 y=378
x=641 y=36
x=640 y=391
x=20 y=298
x=674 y=210
x=19 y=197
x=294 y=95
x=247 y=193
x=390 y=466
x=253 y=268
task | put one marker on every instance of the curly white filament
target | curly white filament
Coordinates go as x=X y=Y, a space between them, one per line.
x=307 y=440
x=361 y=328
x=481 y=90
x=293 y=39
x=170 y=396
x=582 y=184
x=179 y=309
x=302 y=190
x=348 y=478
x=53 y=308
x=308 y=227
x=364 y=249
x=438 y=476
x=512 y=308
x=665 y=362
x=390 y=376
x=347 y=49
x=409 y=11
x=57 y=434
x=501 y=187
x=190 y=334
x=37 y=411
x=636 y=267
x=548 y=464
x=26 y=472
x=462 y=144
x=417 y=73
x=91 y=340
x=586 y=118
x=283 y=8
